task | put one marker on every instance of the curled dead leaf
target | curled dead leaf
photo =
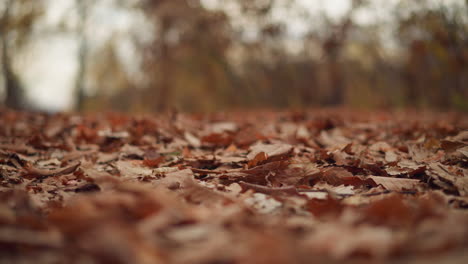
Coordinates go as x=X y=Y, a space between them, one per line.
x=32 y=172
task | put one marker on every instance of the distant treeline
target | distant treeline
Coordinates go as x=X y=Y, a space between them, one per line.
x=209 y=59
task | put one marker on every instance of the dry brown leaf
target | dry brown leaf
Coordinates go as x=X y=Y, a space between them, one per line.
x=32 y=172
x=397 y=184
x=259 y=158
x=270 y=150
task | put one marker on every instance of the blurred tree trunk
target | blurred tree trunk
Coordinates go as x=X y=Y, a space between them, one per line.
x=12 y=85
x=336 y=82
x=80 y=82
x=308 y=85
x=164 y=100
x=333 y=46
x=164 y=87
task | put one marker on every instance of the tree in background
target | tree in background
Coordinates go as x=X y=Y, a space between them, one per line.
x=188 y=50
x=264 y=67
x=436 y=66
x=82 y=7
x=16 y=26
x=332 y=46
x=116 y=89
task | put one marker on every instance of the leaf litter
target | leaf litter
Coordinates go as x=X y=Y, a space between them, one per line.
x=263 y=187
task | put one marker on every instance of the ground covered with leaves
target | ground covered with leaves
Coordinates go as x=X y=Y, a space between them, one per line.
x=245 y=187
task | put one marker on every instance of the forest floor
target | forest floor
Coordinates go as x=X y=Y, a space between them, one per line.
x=323 y=186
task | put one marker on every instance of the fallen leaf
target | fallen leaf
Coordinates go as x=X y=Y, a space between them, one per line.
x=32 y=172
x=259 y=158
x=192 y=140
x=270 y=150
x=397 y=184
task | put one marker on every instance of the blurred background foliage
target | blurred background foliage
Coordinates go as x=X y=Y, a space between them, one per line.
x=210 y=55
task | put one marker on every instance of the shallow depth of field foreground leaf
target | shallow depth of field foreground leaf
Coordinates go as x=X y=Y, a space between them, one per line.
x=262 y=187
